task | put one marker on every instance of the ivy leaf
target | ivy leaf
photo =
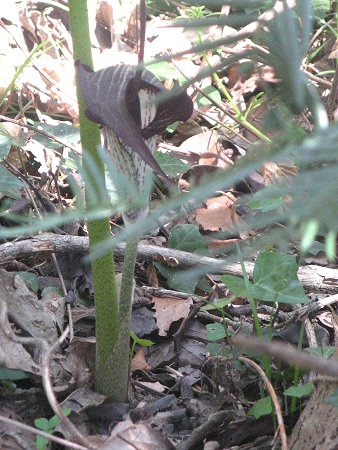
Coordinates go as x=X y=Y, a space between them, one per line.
x=5 y=144
x=324 y=351
x=164 y=70
x=262 y=407
x=12 y=374
x=303 y=390
x=111 y=97
x=215 y=331
x=274 y=280
x=30 y=279
x=187 y=238
x=64 y=131
x=171 y=165
x=177 y=280
x=9 y=184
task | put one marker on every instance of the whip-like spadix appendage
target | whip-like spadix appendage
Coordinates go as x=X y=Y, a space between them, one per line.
x=112 y=100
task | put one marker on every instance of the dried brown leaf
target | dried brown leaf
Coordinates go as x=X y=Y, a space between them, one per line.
x=169 y=310
x=139 y=361
x=217 y=215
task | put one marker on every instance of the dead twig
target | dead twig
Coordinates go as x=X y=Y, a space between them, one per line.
x=288 y=354
x=318 y=79
x=216 y=420
x=274 y=399
x=307 y=310
x=213 y=318
x=312 y=277
x=244 y=33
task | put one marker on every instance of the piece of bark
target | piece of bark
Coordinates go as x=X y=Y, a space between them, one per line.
x=317 y=427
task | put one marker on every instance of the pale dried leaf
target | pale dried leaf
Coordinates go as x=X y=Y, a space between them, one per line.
x=217 y=215
x=34 y=316
x=81 y=360
x=200 y=143
x=169 y=310
x=83 y=398
x=14 y=356
x=139 y=361
x=128 y=436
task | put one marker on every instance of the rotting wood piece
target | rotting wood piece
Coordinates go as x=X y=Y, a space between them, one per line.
x=317 y=427
x=312 y=277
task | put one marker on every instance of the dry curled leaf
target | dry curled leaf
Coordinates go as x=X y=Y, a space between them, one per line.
x=217 y=215
x=169 y=310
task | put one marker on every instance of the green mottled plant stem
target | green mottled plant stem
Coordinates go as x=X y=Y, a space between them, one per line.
x=106 y=298
x=118 y=364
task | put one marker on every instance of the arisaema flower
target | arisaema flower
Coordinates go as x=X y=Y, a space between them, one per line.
x=123 y=100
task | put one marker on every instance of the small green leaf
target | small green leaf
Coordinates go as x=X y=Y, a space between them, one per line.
x=41 y=442
x=316 y=248
x=171 y=128
x=215 y=331
x=235 y=285
x=187 y=238
x=275 y=279
x=30 y=279
x=176 y=279
x=64 y=131
x=333 y=399
x=216 y=349
x=54 y=422
x=266 y=204
x=141 y=342
x=9 y=184
x=9 y=386
x=5 y=144
x=12 y=374
x=262 y=407
x=325 y=352
x=165 y=71
x=302 y=390
x=213 y=93
x=171 y=166
x=203 y=285
x=42 y=423
x=218 y=304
